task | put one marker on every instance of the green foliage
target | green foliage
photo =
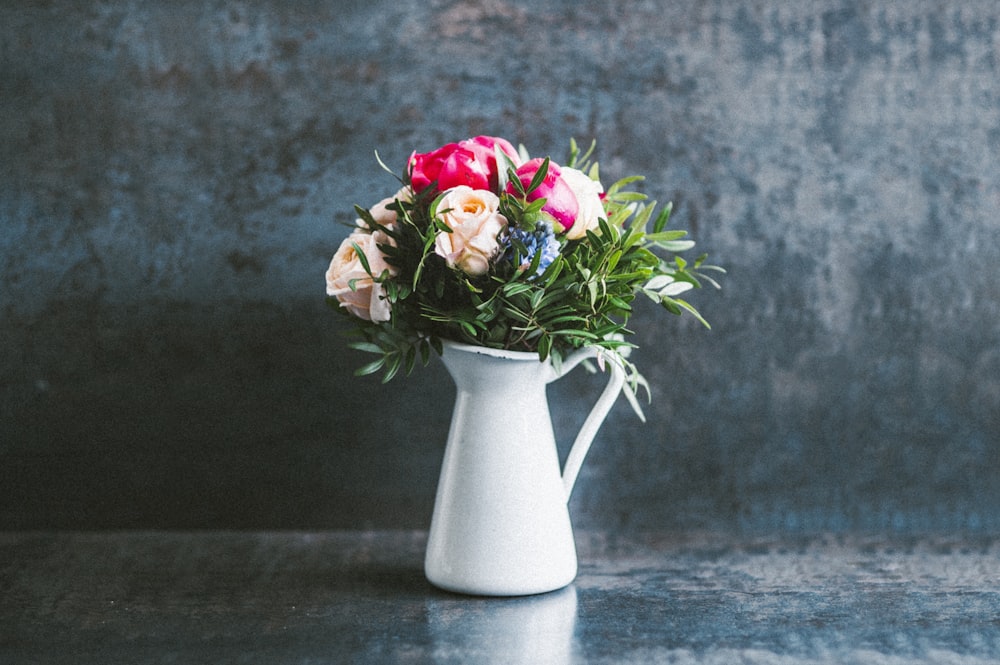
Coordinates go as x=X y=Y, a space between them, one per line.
x=584 y=297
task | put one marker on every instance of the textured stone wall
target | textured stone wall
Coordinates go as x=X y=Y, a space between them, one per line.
x=174 y=176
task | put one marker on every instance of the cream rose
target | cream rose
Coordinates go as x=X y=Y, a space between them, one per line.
x=380 y=211
x=367 y=300
x=588 y=198
x=472 y=216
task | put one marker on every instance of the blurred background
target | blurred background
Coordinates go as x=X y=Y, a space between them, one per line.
x=175 y=176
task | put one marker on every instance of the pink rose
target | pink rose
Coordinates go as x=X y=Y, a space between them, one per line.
x=475 y=224
x=560 y=200
x=367 y=300
x=471 y=163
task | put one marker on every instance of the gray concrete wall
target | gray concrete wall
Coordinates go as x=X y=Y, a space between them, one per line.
x=173 y=176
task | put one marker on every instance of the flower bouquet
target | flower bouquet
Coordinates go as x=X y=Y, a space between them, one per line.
x=484 y=245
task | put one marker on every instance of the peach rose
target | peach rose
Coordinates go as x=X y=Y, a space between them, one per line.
x=380 y=211
x=475 y=224
x=367 y=300
x=590 y=207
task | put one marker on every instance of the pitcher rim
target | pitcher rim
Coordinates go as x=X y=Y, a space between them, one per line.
x=489 y=351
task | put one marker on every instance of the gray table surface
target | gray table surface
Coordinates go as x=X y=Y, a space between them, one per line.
x=360 y=597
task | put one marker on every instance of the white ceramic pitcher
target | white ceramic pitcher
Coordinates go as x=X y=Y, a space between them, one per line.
x=501 y=524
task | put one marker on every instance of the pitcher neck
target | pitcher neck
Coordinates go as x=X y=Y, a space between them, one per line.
x=473 y=367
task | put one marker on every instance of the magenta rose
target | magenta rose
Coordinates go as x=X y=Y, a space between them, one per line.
x=560 y=199
x=471 y=163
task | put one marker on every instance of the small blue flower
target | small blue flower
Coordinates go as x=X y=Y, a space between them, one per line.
x=542 y=239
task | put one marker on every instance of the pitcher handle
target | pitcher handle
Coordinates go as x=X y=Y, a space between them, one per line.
x=574 y=461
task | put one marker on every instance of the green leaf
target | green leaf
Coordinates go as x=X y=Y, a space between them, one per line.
x=614 y=259
x=626 y=197
x=514 y=288
x=411 y=359
x=573 y=333
x=554 y=269
x=392 y=367
x=595 y=173
x=516 y=314
x=370 y=368
x=676 y=288
x=566 y=319
x=539 y=177
x=663 y=236
x=658 y=282
x=512 y=178
x=504 y=165
x=642 y=216
x=367 y=347
x=614 y=188
x=663 y=218
x=536 y=260
x=620 y=304
x=544 y=347
x=676 y=245
x=362 y=258
x=709 y=280
x=536 y=298
x=367 y=218
x=378 y=158
x=687 y=306
x=590 y=151
x=668 y=303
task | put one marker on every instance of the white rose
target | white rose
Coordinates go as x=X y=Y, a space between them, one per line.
x=380 y=211
x=588 y=198
x=367 y=300
x=472 y=216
